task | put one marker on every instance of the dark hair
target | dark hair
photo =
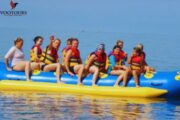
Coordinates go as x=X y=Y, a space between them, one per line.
x=138 y=50
x=119 y=41
x=19 y=39
x=69 y=40
x=116 y=46
x=75 y=39
x=37 y=38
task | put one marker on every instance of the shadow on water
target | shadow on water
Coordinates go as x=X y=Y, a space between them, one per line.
x=19 y=105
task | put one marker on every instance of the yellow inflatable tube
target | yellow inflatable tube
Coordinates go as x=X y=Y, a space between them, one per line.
x=9 y=85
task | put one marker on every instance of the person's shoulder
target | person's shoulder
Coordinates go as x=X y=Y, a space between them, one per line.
x=13 y=48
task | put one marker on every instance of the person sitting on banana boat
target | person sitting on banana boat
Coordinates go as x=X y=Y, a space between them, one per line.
x=96 y=63
x=73 y=61
x=145 y=68
x=16 y=56
x=116 y=65
x=65 y=49
x=136 y=64
x=50 y=58
x=36 y=50
x=123 y=55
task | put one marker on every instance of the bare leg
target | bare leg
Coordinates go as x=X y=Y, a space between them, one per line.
x=35 y=66
x=78 y=69
x=54 y=67
x=23 y=66
x=120 y=74
x=126 y=74
x=27 y=70
x=96 y=72
x=135 y=75
x=149 y=69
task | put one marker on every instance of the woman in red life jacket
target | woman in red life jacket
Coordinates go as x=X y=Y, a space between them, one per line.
x=136 y=64
x=145 y=67
x=96 y=63
x=36 y=51
x=73 y=62
x=50 y=58
x=65 y=49
x=116 y=66
x=123 y=55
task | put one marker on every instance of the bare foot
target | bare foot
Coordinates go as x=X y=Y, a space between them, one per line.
x=29 y=80
x=116 y=85
x=94 y=85
x=60 y=82
x=124 y=86
x=137 y=86
x=80 y=84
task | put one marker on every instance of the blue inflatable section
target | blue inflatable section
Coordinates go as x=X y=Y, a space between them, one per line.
x=169 y=81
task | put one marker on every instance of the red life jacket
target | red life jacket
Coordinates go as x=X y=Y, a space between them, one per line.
x=122 y=54
x=65 y=49
x=101 y=59
x=118 y=58
x=75 y=57
x=32 y=55
x=136 y=62
x=143 y=55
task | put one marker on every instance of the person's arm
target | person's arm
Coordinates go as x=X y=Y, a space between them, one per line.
x=7 y=64
x=90 y=61
x=9 y=54
x=68 y=55
x=129 y=59
x=51 y=41
x=35 y=50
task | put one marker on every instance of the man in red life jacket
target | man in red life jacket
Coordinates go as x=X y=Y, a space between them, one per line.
x=73 y=62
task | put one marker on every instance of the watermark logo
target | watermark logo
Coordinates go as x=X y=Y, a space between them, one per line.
x=12 y=11
x=12 y=4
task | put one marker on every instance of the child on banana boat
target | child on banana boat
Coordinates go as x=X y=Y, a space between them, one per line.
x=123 y=55
x=116 y=64
x=145 y=68
x=36 y=50
x=16 y=56
x=96 y=63
x=135 y=68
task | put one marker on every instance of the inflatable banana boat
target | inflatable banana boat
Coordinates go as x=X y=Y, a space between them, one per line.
x=159 y=84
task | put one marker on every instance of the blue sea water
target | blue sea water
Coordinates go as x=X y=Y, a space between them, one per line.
x=153 y=23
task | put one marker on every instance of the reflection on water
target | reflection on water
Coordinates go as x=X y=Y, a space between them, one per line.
x=19 y=105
